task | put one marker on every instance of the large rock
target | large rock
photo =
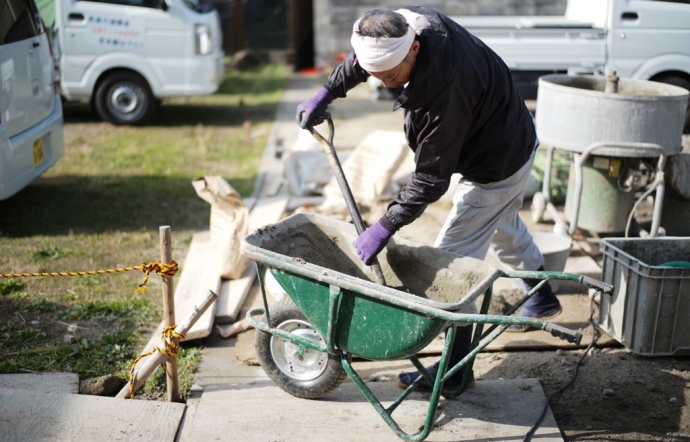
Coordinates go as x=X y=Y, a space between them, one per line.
x=107 y=385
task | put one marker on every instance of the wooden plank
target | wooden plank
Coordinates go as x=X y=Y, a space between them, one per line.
x=199 y=275
x=267 y=211
x=38 y=417
x=65 y=383
x=233 y=293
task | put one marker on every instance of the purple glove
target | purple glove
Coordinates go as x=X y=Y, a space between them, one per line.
x=371 y=242
x=309 y=111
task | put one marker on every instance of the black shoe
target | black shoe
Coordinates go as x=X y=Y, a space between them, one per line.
x=543 y=305
x=454 y=384
x=544 y=315
x=461 y=348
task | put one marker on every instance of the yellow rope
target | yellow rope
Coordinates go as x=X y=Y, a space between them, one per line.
x=171 y=339
x=164 y=270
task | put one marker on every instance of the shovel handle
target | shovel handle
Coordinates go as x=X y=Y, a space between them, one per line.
x=344 y=186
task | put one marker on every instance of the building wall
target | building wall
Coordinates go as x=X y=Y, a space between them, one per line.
x=333 y=19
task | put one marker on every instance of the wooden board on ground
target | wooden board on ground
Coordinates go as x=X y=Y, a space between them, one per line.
x=233 y=292
x=65 y=383
x=232 y=295
x=37 y=417
x=200 y=274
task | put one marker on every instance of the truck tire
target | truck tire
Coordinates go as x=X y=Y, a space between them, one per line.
x=308 y=375
x=676 y=80
x=124 y=98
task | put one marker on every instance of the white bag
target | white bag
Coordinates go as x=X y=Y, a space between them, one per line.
x=229 y=223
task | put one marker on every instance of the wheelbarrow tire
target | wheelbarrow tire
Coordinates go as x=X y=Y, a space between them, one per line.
x=312 y=377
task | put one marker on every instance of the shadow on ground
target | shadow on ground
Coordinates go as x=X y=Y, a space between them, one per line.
x=182 y=114
x=83 y=204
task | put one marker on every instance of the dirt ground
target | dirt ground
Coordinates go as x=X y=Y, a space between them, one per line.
x=617 y=395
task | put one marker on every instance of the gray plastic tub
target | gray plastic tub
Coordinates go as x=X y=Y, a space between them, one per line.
x=649 y=311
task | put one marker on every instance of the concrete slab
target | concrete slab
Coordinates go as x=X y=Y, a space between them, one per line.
x=492 y=410
x=37 y=416
x=66 y=383
x=239 y=401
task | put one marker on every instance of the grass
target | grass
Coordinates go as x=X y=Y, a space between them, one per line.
x=101 y=206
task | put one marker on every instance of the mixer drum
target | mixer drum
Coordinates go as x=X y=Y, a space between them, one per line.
x=574 y=111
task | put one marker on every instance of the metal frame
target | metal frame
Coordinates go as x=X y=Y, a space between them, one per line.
x=607 y=148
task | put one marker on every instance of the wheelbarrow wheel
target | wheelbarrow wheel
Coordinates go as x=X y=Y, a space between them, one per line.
x=302 y=372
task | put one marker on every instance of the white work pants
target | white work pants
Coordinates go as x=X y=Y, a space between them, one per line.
x=486 y=215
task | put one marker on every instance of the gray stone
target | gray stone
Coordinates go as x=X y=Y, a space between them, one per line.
x=101 y=386
x=608 y=392
x=69 y=339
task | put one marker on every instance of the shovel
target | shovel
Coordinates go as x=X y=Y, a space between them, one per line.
x=344 y=186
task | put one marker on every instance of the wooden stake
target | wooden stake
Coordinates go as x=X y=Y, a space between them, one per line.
x=151 y=363
x=169 y=313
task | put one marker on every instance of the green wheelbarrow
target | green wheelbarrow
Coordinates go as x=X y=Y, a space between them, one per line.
x=306 y=344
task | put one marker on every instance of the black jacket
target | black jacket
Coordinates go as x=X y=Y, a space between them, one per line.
x=462 y=114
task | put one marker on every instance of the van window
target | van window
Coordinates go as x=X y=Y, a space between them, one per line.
x=18 y=21
x=154 y=4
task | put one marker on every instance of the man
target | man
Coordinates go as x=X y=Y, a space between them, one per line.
x=462 y=114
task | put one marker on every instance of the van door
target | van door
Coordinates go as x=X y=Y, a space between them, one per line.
x=90 y=30
x=647 y=28
x=26 y=75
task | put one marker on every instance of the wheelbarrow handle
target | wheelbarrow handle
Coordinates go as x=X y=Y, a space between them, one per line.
x=592 y=283
x=563 y=333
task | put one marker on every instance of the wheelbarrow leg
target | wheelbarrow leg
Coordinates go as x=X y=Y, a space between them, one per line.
x=468 y=365
x=433 y=401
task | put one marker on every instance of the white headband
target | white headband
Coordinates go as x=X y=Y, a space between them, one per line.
x=382 y=54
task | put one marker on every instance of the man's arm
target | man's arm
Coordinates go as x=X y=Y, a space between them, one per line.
x=346 y=75
x=439 y=135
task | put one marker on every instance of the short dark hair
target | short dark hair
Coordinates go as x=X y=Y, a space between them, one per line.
x=382 y=23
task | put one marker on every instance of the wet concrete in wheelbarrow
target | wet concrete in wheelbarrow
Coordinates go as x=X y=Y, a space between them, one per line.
x=240 y=403
x=327 y=243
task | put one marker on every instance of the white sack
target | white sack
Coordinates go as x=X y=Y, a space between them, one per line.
x=229 y=223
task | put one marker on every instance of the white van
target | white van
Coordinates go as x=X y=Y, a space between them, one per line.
x=124 y=56
x=30 y=109
x=640 y=39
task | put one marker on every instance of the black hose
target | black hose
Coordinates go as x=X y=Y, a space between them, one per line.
x=535 y=427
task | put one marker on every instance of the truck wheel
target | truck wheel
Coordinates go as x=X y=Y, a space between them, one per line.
x=124 y=98
x=675 y=80
x=302 y=372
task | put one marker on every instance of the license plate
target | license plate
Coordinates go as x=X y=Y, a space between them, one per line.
x=38 y=152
